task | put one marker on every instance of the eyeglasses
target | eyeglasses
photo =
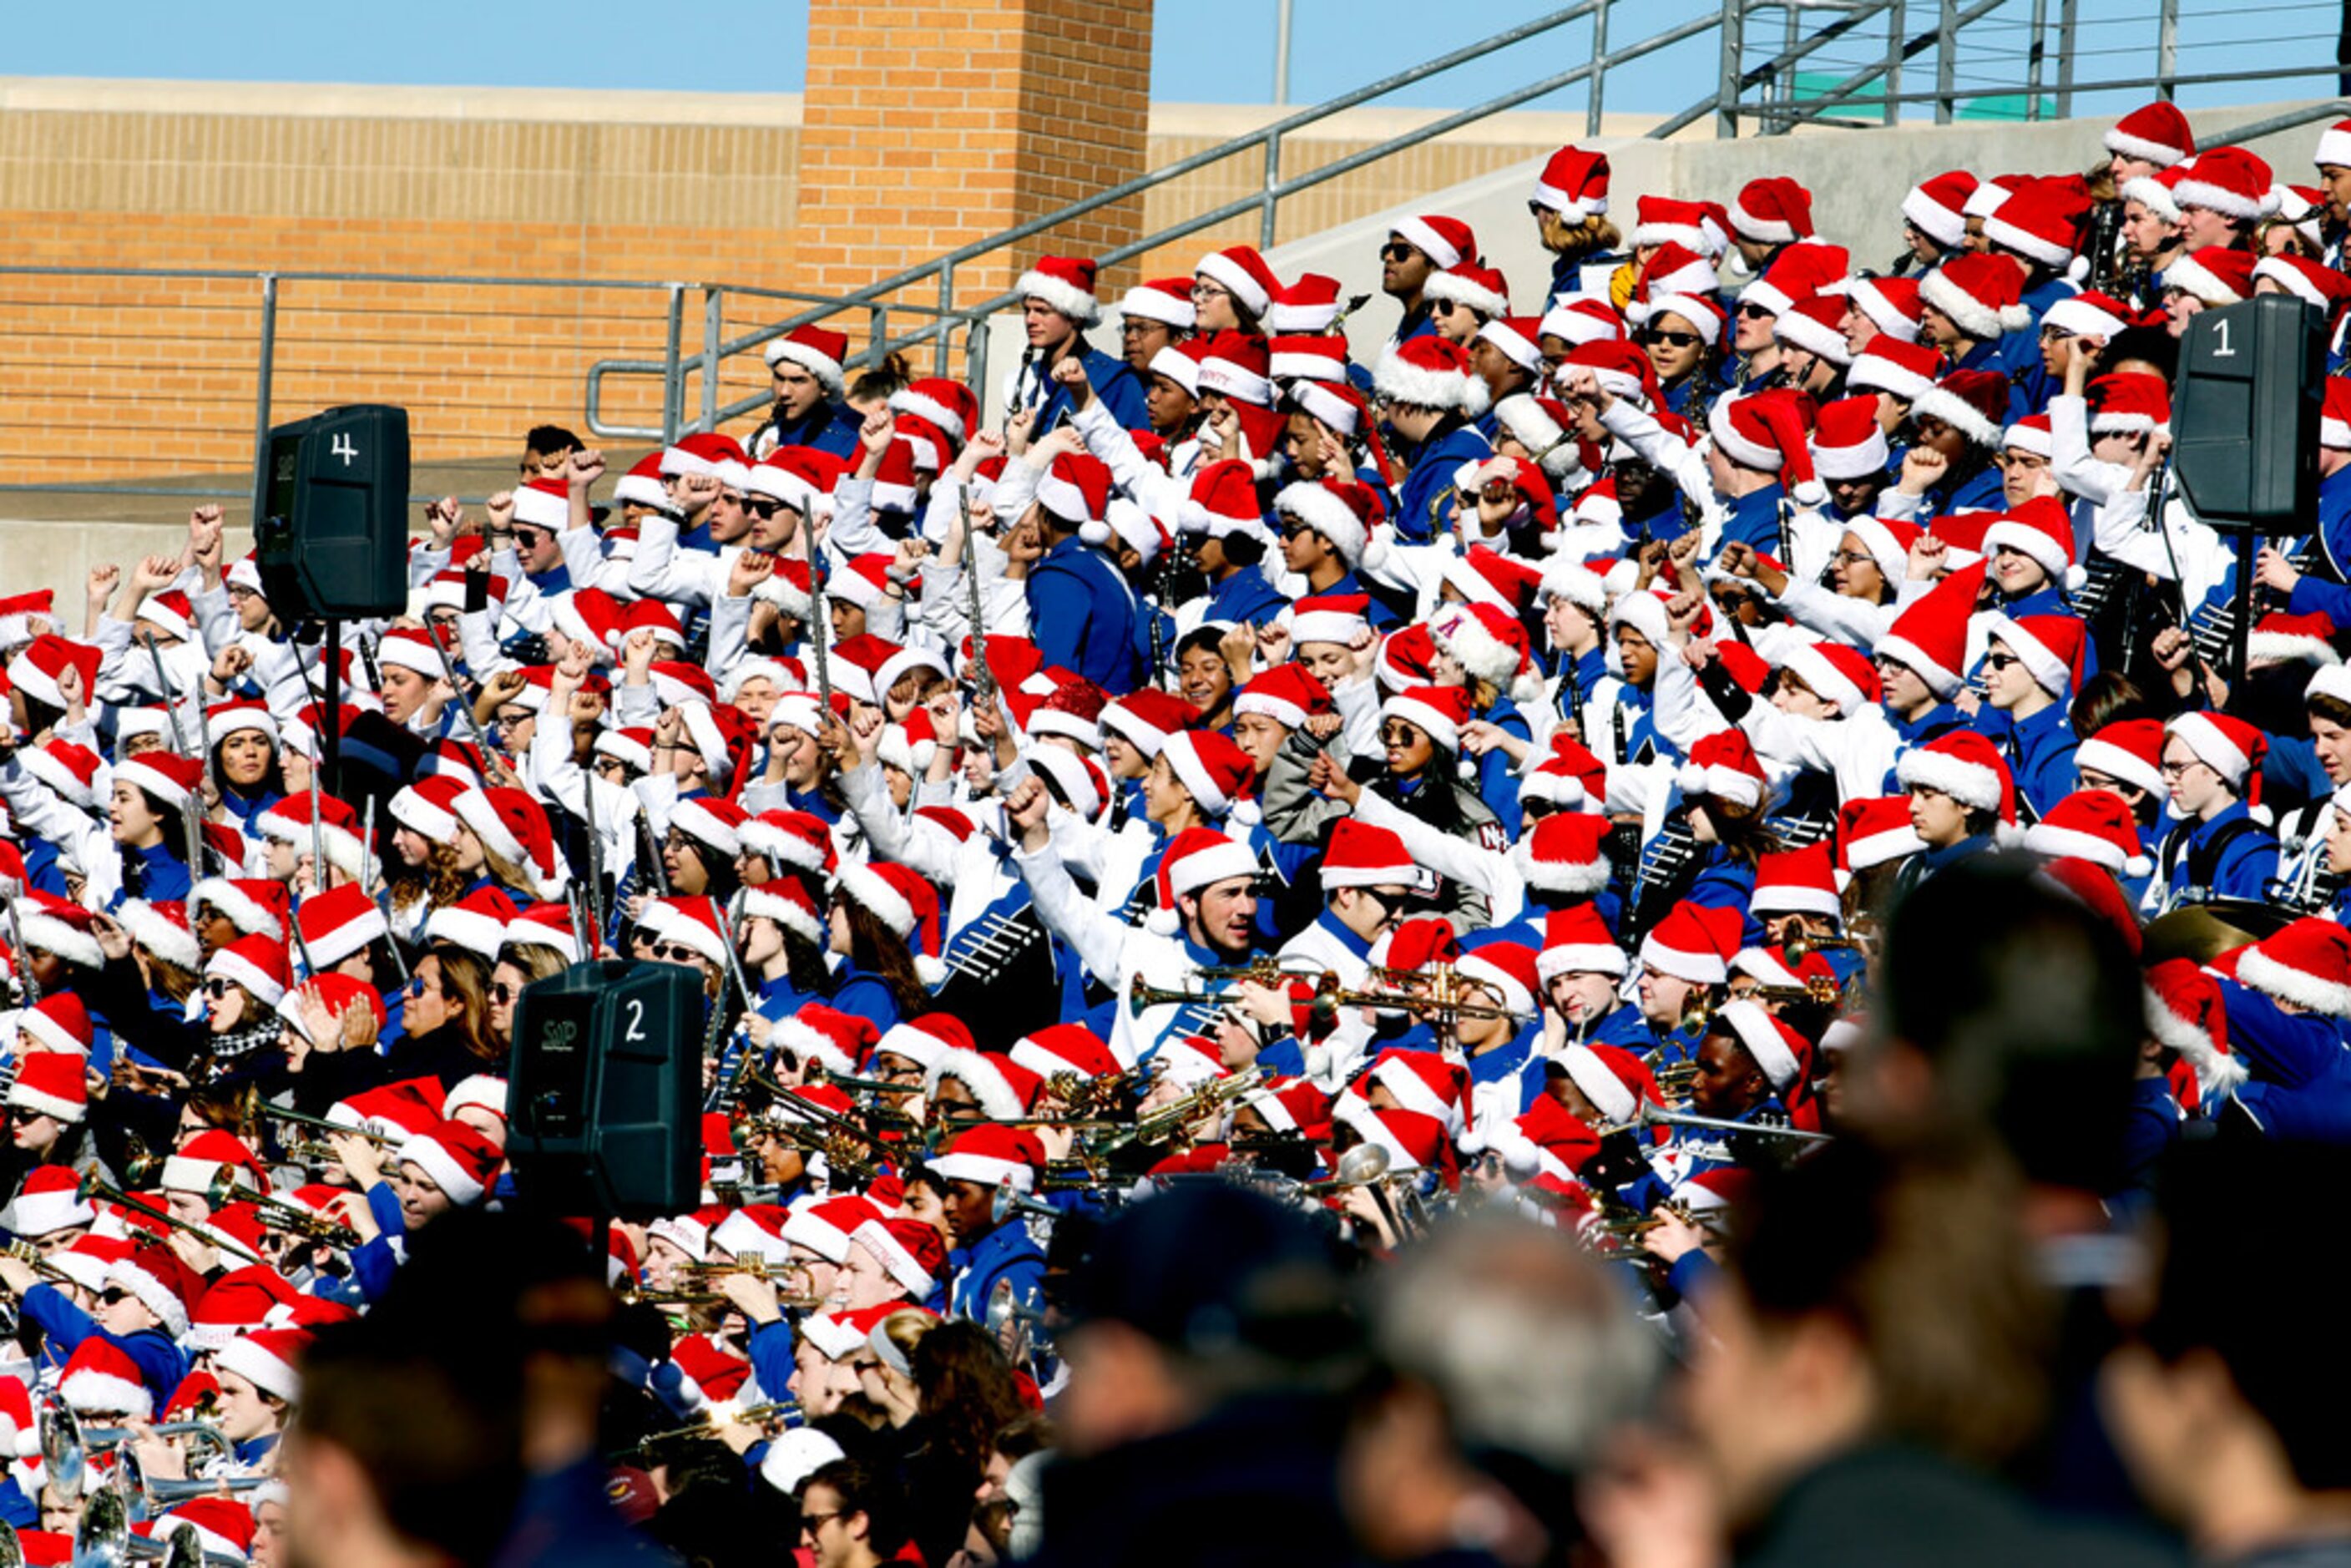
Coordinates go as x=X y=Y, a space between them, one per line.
x=762 y=505
x=501 y=992
x=812 y=1522
x=216 y=987
x=1397 y=250
x=418 y=988
x=24 y=1115
x=1756 y=313
x=531 y=538
x=2179 y=769
x=1202 y=289
x=1853 y=558
x=1444 y=306
x=1398 y=734
x=2001 y=660
x=1651 y=335
x=114 y=1296
x=675 y=952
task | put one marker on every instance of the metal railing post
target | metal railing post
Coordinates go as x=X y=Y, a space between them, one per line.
x=877 y=334
x=2167 y=48
x=1272 y=192
x=2032 y=58
x=673 y=368
x=1598 y=88
x=942 y=342
x=265 y=374
x=1946 y=64
x=974 y=357
x=1725 y=89
x=1792 y=15
x=2067 y=17
x=713 y=333
x=1896 y=32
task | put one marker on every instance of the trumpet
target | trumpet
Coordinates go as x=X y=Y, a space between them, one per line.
x=1674 y=1080
x=849 y=1084
x=705 y=1427
x=1816 y=989
x=25 y=1252
x=92 y=1187
x=1800 y=948
x=1008 y=1203
x=1163 y=1125
x=256 y=1109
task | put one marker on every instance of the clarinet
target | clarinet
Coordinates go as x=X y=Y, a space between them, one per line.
x=2213 y=630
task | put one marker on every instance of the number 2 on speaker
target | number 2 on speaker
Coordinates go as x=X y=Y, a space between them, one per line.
x=636 y=1035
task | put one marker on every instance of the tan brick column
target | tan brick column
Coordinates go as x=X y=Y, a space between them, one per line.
x=927 y=127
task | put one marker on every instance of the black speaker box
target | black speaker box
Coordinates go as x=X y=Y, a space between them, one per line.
x=603 y=1091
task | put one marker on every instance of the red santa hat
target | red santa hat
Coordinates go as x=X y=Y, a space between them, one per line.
x=2128 y=750
x=1066 y=283
x=993 y=1156
x=1196 y=857
x=1774 y=210
x=2230 y=181
x=1576 y=940
x=457 y=1158
x=2156 y=134
x=1723 y=767
x=2092 y=825
x=820 y=352
x=2185 y=1012
x=1874 y=832
x=1796 y=881
x=1694 y=942
x=903 y=902
x=54 y=1083
x=1443 y=240
x=1003 y=1089
x=1362 y=855
x=1437 y=711
x=2052 y=647
x=1930 y=637
x=1964 y=766
x=1981 y=293
x=1162 y=300
x=2229 y=746
x=2215 y=277
x=1431 y=373
x=257 y=964
x=99 y=1379
x=477 y=922
x=1563 y=854
x=1573 y=183
x=1242 y=273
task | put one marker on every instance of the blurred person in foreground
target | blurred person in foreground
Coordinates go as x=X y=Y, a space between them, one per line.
x=1210 y=1357
x=1873 y=1356
x=2229 y=1426
x=1509 y=1364
x=407 y=1452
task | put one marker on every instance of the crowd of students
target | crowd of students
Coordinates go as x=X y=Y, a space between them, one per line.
x=1291 y=945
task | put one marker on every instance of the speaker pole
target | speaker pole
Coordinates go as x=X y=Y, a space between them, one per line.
x=331 y=721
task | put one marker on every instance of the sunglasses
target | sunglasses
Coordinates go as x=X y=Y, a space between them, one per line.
x=1756 y=313
x=417 y=987
x=1398 y=734
x=675 y=952
x=24 y=1115
x=762 y=505
x=1397 y=250
x=114 y=1296
x=2001 y=660
x=1670 y=340
x=502 y=992
x=531 y=538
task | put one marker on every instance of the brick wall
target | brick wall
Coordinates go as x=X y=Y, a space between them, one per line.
x=148 y=379
x=926 y=128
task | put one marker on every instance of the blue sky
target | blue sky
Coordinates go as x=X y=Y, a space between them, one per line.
x=1206 y=50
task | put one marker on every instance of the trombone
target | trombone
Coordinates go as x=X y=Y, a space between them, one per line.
x=1650 y=1115
x=25 y=1252
x=92 y=1187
